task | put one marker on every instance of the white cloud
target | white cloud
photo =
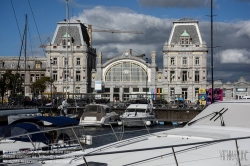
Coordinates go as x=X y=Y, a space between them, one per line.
x=155 y=31
x=235 y=56
x=233 y=37
x=244 y=29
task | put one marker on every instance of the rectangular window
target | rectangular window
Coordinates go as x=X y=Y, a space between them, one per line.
x=126 y=90
x=196 y=92
x=78 y=61
x=107 y=90
x=65 y=61
x=172 y=93
x=197 y=76
x=117 y=90
x=54 y=61
x=38 y=65
x=37 y=77
x=77 y=90
x=182 y=41
x=54 y=75
x=184 y=76
x=145 y=89
x=31 y=77
x=135 y=89
x=197 y=60
x=78 y=75
x=66 y=74
x=184 y=60
x=184 y=93
x=172 y=76
x=172 y=61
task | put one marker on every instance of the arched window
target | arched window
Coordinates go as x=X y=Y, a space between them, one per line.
x=126 y=72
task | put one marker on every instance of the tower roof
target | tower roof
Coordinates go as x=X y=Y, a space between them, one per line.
x=185 y=34
x=66 y=35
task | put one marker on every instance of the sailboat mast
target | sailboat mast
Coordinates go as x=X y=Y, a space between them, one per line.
x=67 y=25
x=212 y=61
x=25 y=48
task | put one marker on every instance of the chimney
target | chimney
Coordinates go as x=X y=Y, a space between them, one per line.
x=90 y=34
x=99 y=56
x=153 y=55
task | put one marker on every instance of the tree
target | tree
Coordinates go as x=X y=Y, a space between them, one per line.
x=6 y=83
x=41 y=84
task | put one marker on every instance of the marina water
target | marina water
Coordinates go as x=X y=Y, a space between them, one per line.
x=104 y=135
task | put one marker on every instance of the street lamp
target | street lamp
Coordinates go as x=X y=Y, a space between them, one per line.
x=146 y=80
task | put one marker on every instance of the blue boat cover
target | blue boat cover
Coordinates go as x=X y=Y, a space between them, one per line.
x=23 y=128
x=58 y=121
x=180 y=98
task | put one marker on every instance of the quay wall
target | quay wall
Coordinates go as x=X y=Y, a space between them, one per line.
x=163 y=115
x=171 y=115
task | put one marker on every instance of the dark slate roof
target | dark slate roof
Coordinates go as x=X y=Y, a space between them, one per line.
x=191 y=30
x=11 y=62
x=74 y=32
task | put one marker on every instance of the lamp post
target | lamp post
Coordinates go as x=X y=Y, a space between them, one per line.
x=147 y=80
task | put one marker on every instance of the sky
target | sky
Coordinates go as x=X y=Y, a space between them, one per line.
x=153 y=17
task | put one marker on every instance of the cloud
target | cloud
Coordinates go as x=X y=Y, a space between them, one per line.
x=232 y=37
x=155 y=30
x=175 y=3
x=235 y=56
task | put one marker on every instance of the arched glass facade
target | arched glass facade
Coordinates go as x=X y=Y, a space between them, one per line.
x=126 y=72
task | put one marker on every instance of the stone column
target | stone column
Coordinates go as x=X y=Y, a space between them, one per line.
x=121 y=94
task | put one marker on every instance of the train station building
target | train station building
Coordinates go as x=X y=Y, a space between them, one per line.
x=77 y=68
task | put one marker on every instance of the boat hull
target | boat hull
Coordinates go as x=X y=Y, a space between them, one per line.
x=138 y=122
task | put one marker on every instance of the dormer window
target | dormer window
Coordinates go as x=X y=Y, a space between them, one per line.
x=2 y=64
x=185 y=38
x=67 y=40
x=38 y=64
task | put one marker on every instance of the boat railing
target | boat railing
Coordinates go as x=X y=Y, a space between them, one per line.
x=49 y=143
x=174 y=153
x=195 y=145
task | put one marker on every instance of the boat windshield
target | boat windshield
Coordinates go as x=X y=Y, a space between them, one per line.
x=93 y=108
x=138 y=101
x=135 y=110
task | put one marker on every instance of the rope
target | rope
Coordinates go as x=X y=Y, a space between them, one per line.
x=36 y=25
x=16 y=20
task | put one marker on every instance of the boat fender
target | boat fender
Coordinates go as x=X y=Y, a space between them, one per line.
x=120 y=123
x=88 y=140
x=148 y=123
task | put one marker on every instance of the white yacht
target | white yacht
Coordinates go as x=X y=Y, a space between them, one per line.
x=139 y=114
x=98 y=115
x=246 y=97
x=219 y=135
